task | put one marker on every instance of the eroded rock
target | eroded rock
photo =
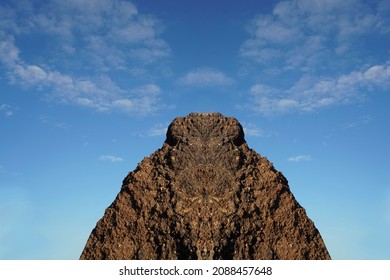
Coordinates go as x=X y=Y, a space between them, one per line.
x=205 y=195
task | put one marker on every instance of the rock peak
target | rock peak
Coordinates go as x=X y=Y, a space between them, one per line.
x=208 y=128
x=205 y=195
x=208 y=114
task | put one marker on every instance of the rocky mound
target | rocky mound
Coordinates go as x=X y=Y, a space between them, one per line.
x=205 y=195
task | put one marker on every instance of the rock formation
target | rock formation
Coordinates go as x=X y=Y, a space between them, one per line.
x=205 y=195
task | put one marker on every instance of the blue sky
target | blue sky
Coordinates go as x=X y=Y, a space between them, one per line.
x=87 y=89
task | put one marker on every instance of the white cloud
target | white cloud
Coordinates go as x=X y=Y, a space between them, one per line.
x=9 y=53
x=29 y=74
x=361 y=121
x=251 y=129
x=110 y=158
x=302 y=34
x=158 y=130
x=50 y=121
x=100 y=93
x=6 y=110
x=89 y=29
x=378 y=75
x=300 y=158
x=204 y=77
x=310 y=93
x=106 y=38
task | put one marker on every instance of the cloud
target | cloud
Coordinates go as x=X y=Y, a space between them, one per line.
x=205 y=77
x=311 y=93
x=143 y=99
x=7 y=110
x=110 y=158
x=106 y=39
x=9 y=53
x=50 y=121
x=303 y=34
x=158 y=130
x=94 y=31
x=251 y=129
x=100 y=93
x=300 y=158
x=361 y=121
x=309 y=55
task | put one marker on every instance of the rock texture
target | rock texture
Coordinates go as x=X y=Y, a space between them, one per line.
x=205 y=195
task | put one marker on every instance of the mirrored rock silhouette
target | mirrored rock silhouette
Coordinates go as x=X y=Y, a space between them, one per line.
x=205 y=195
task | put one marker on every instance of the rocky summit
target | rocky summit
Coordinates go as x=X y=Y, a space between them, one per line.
x=205 y=195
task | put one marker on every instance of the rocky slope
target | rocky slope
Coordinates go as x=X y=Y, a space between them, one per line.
x=205 y=195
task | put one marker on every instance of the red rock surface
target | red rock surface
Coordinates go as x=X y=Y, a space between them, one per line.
x=205 y=195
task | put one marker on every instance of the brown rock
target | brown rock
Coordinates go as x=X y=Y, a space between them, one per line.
x=205 y=195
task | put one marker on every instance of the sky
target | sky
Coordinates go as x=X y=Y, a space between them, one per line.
x=88 y=88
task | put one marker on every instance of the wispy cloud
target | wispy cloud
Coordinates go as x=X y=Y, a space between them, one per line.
x=92 y=31
x=251 y=129
x=110 y=158
x=100 y=93
x=310 y=93
x=7 y=110
x=311 y=48
x=363 y=120
x=47 y=120
x=301 y=34
x=300 y=158
x=106 y=38
x=205 y=77
x=157 y=130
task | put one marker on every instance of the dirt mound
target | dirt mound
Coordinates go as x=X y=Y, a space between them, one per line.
x=205 y=195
